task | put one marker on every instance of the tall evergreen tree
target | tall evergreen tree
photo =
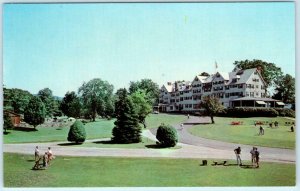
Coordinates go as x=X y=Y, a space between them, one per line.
x=127 y=128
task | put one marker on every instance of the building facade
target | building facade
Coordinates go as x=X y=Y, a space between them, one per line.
x=185 y=96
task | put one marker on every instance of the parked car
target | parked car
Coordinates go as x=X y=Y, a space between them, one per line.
x=156 y=112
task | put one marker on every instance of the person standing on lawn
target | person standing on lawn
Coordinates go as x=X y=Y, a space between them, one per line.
x=45 y=160
x=36 y=153
x=252 y=152
x=257 y=157
x=237 y=152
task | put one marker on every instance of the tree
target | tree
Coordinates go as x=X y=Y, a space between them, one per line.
x=77 y=132
x=204 y=74
x=16 y=99
x=285 y=89
x=47 y=98
x=34 y=113
x=7 y=123
x=151 y=89
x=269 y=71
x=127 y=129
x=95 y=95
x=141 y=104
x=167 y=136
x=70 y=105
x=212 y=106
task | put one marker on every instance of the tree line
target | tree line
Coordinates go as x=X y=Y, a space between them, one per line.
x=94 y=98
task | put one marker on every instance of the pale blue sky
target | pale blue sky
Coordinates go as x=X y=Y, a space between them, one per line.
x=62 y=45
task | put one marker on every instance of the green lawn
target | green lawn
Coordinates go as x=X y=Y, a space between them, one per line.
x=100 y=129
x=155 y=120
x=247 y=133
x=136 y=172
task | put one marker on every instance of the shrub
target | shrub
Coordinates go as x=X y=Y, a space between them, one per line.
x=285 y=112
x=167 y=136
x=250 y=112
x=77 y=132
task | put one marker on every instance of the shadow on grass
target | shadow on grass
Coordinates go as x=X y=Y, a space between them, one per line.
x=30 y=160
x=155 y=146
x=6 y=133
x=105 y=142
x=68 y=144
x=26 y=129
x=248 y=167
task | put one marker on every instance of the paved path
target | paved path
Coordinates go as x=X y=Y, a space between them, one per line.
x=191 y=147
x=267 y=153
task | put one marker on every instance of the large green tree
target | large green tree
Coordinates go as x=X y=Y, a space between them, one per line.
x=34 y=113
x=95 y=94
x=16 y=99
x=269 y=71
x=70 y=105
x=151 y=89
x=127 y=128
x=141 y=104
x=47 y=98
x=285 y=89
x=212 y=106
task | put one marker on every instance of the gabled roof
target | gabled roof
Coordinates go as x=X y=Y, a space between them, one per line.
x=169 y=88
x=209 y=79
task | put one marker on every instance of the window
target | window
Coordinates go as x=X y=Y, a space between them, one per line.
x=256 y=86
x=240 y=86
x=251 y=94
x=181 y=99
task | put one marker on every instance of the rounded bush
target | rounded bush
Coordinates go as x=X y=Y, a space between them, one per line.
x=167 y=136
x=77 y=132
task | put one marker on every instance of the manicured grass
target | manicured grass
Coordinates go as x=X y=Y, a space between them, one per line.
x=247 y=133
x=100 y=129
x=135 y=172
x=155 y=120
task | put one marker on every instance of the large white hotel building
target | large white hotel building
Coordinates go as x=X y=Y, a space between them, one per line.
x=240 y=88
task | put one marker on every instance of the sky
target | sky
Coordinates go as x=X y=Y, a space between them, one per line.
x=60 y=46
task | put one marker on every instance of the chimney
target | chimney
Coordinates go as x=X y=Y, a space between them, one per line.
x=169 y=83
x=259 y=69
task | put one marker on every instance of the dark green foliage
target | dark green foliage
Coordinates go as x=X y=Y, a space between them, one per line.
x=127 y=129
x=7 y=123
x=70 y=105
x=249 y=112
x=285 y=89
x=47 y=98
x=269 y=71
x=284 y=112
x=77 y=132
x=34 y=113
x=16 y=99
x=167 y=136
